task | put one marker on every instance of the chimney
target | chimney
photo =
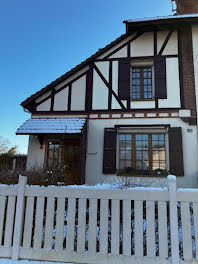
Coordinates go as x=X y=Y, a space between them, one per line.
x=186 y=6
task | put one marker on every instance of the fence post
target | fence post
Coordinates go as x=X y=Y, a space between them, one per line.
x=173 y=219
x=19 y=217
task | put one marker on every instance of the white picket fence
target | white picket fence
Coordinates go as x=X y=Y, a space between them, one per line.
x=87 y=225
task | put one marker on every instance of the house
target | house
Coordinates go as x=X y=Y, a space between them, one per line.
x=128 y=110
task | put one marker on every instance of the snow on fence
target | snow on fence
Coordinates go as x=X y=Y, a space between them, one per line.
x=89 y=225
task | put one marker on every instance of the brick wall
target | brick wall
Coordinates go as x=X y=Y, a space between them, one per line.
x=188 y=69
x=187 y=6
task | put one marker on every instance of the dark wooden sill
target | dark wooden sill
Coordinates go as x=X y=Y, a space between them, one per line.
x=142 y=100
x=142 y=174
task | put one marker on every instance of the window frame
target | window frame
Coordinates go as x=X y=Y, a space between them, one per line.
x=134 y=171
x=142 y=64
x=55 y=142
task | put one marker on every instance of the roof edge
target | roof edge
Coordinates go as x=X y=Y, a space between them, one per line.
x=73 y=70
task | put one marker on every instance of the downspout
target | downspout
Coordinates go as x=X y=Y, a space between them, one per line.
x=195 y=63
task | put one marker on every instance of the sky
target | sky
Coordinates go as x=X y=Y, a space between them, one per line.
x=42 y=39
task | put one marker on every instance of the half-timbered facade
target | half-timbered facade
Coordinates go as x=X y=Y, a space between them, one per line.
x=135 y=101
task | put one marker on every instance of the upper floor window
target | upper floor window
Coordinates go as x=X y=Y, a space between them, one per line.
x=142 y=83
x=53 y=155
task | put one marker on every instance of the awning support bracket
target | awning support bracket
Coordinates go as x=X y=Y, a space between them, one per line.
x=40 y=139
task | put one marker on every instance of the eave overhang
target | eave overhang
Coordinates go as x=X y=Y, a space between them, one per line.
x=43 y=126
x=160 y=23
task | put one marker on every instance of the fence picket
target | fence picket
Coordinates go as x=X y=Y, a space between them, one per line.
x=163 y=231
x=9 y=221
x=150 y=236
x=195 y=213
x=127 y=227
x=28 y=222
x=76 y=238
x=81 y=225
x=38 y=233
x=60 y=223
x=104 y=226
x=2 y=215
x=49 y=223
x=138 y=228
x=186 y=231
x=92 y=226
x=71 y=210
x=115 y=227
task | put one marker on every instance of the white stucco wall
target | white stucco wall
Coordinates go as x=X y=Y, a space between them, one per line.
x=45 y=106
x=94 y=161
x=142 y=104
x=61 y=100
x=172 y=45
x=36 y=155
x=103 y=68
x=122 y=53
x=143 y=46
x=100 y=93
x=78 y=94
x=173 y=85
x=117 y=46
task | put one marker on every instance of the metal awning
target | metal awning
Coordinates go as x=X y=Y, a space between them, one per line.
x=35 y=126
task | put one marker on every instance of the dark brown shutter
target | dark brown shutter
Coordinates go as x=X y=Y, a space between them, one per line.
x=176 y=151
x=160 y=78
x=83 y=148
x=109 y=154
x=124 y=79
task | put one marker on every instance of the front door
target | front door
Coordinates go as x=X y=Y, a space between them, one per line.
x=72 y=160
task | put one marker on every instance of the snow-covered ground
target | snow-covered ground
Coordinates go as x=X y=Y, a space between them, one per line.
x=9 y=261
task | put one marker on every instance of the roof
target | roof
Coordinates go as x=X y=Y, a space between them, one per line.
x=160 y=22
x=51 y=126
x=161 y=18
x=73 y=71
x=133 y=24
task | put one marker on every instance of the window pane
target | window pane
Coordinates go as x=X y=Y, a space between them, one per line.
x=138 y=155
x=128 y=137
x=128 y=145
x=122 y=164
x=128 y=164
x=158 y=152
x=50 y=154
x=51 y=146
x=125 y=153
x=128 y=154
x=145 y=155
x=142 y=154
x=53 y=155
x=122 y=145
x=122 y=137
x=145 y=165
x=122 y=154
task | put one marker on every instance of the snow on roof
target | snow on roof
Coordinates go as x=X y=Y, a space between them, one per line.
x=52 y=126
x=161 y=18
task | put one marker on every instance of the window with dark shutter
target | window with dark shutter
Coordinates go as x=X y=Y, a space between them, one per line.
x=142 y=83
x=160 y=78
x=124 y=79
x=109 y=155
x=176 y=151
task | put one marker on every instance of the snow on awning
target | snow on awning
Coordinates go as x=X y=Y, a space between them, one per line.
x=51 y=126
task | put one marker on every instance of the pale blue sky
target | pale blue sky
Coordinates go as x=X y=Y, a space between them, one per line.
x=42 y=39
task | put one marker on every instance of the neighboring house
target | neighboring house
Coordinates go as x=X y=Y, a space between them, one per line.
x=128 y=110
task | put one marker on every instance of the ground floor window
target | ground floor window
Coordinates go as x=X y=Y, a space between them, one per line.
x=142 y=152
x=53 y=155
